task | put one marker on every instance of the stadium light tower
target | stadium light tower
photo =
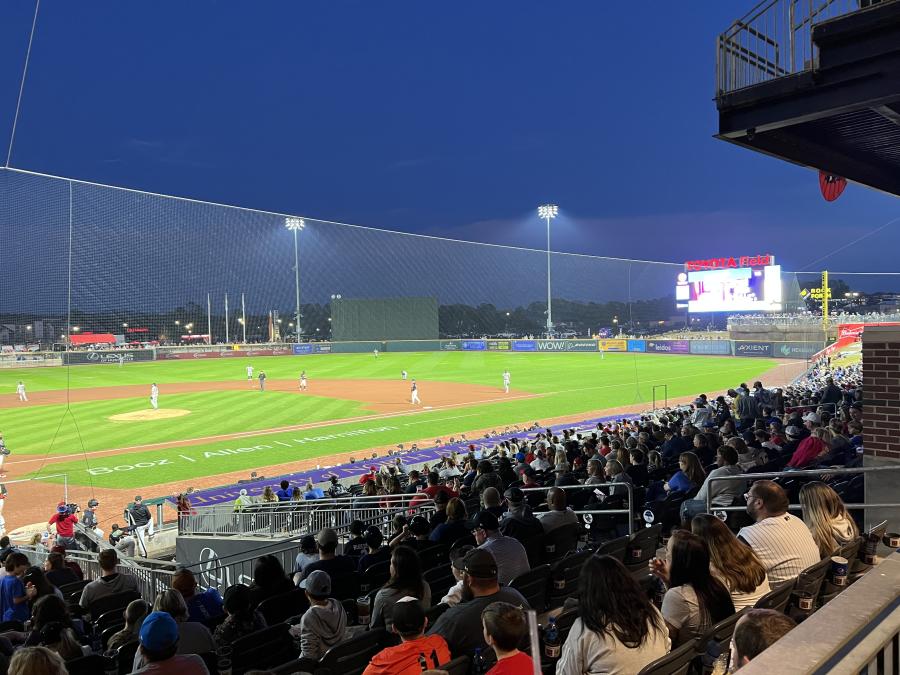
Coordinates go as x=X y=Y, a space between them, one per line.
x=548 y=212
x=295 y=225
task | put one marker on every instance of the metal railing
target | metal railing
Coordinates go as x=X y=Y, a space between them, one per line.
x=286 y=519
x=592 y=512
x=802 y=473
x=774 y=39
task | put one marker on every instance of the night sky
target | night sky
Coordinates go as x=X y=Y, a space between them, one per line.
x=453 y=120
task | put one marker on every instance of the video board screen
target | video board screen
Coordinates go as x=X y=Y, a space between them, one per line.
x=742 y=289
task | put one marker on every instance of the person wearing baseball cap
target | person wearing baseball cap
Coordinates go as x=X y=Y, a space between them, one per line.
x=509 y=554
x=89 y=517
x=461 y=626
x=518 y=521
x=329 y=561
x=158 y=647
x=323 y=625
x=65 y=526
x=407 y=657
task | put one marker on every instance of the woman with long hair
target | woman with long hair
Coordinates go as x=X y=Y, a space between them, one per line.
x=690 y=474
x=696 y=600
x=52 y=627
x=733 y=562
x=134 y=617
x=37 y=586
x=454 y=527
x=826 y=517
x=406 y=580
x=811 y=448
x=618 y=630
x=269 y=580
x=268 y=495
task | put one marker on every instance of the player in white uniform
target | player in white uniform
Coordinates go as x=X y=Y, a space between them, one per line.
x=376 y=353
x=249 y=373
x=20 y=390
x=506 y=381
x=4 y=451
x=402 y=374
x=303 y=384
x=414 y=394
x=121 y=360
x=154 y=396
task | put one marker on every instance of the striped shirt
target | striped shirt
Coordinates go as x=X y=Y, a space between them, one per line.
x=783 y=544
x=510 y=556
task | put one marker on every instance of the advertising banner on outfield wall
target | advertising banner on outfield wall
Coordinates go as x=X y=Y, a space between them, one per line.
x=637 y=345
x=312 y=348
x=498 y=345
x=796 y=350
x=524 y=345
x=450 y=345
x=103 y=356
x=753 y=349
x=669 y=346
x=473 y=345
x=717 y=347
x=614 y=345
x=568 y=345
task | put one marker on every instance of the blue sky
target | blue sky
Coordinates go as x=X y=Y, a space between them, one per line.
x=453 y=119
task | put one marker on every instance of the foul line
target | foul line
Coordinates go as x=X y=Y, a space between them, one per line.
x=337 y=422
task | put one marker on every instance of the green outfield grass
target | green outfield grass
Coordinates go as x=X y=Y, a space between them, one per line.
x=569 y=384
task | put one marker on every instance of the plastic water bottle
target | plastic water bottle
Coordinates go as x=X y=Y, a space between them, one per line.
x=551 y=640
x=478 y=665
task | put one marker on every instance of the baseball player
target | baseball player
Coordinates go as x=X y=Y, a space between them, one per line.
x=414 y=394
x=303 y=384
x=20 y=390
x=376 y=353
x=249 y=373
x=121 y=360
x=506 y=381
x=3 y=493
x=4 y=451
x=154 y=396
x=262 y=380
x=402 y=374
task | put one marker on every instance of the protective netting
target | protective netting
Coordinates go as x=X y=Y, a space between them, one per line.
x=107 y=257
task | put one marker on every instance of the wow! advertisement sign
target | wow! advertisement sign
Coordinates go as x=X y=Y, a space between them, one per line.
x=567 y=345
x=669 y=346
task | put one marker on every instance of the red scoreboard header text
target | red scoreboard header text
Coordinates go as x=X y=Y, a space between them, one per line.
x=725 y=263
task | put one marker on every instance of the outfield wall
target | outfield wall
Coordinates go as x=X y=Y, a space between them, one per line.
x=783 y=350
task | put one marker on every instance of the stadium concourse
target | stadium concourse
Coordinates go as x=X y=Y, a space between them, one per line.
x=490 y=547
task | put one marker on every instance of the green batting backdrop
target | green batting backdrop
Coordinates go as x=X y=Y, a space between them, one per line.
x=384 y=319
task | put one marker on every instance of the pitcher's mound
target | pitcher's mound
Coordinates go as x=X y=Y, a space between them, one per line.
x=149 y=415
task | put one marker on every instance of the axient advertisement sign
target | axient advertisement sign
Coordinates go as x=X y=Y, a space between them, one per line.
x=669 y=346
x=753 y=349
x=568 y=345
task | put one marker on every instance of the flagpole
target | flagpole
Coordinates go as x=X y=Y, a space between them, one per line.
x=208 y=319
x=243 y=318
x=226 y=318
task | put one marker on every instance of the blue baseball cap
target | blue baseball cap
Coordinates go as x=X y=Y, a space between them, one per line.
x=159 y=631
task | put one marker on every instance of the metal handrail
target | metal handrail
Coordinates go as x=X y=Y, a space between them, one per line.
x=808 y=473
x=612 y=512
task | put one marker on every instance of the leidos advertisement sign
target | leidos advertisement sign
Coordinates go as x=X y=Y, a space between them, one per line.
x=568 y=345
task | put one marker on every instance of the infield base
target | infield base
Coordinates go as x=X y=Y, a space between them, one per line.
x=150 y=415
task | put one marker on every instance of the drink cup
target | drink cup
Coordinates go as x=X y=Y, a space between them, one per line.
x=363 y=605
x=839 y=569
x=805 y=601
x=892 y=540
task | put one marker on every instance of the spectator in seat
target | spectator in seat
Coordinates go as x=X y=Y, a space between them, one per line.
x=440 y=510
x=269 y=580
x=723 y=492
x=618 y=630
x=36 y=661
x=134 y=617
x=357 y=544
x=61 y=639
x=37 y=585
x=490 y=501
x=615 y=473
x=505 y=627
x=815 y=446
x=309 y=553
x=201 y=606
x=673 y=445
x=461 y=625
x=782 y=541
x=414 y=535
x=375 y=552
x=457 y=565
x=327 y=541
x=56 y=571
x=455 y=526
x=827 y=518
x=416 y=650
x=284 y=493
x=637 y=469
x=193 y=637
x=486 y=478
x=831 y=395
x=540 y=463
x=690 y=474
x=733 y=562
x=323 y=625
x=5 y=548
x=595 y=472
x=110 y=582
x=559 y=514
x=159 y=649
x=756 y=631
x=696 y=600
x=518 y=521
x=241 y=619
x=71 y=564
x=49 y=617
x=405 y=581
x=509 y=554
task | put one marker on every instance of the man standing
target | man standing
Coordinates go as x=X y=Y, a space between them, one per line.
x=141 y=522
x=4 y=451
x=121 y=360
x=403 y=374
x=65 y=526
x=20 y=390
x=506 y=381
x=154 y=396
x=303 y=384
x=249 y=373
x=414 y=394
x=89 y=517
x=262 y=380
x=376 y=353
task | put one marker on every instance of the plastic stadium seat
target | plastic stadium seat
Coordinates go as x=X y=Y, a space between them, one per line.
x=614 y=548
x=564 y=577
x=109 y=631
x=439 y=579
x=375 y=577
x=12 y=625
x=676 y=662
x=533 y=586
x=565 y=621
x=75 y=586
x=778 y=597
x=88 y=665
x=642 y=548
x=809 y=583
x=352 y=656
x=125 y=656
x=433 y=556
x=717 y=639
x=458 y=666
x=118 y=601
x=264 y=648
x=345 y=586
x=279 y=608
x=435 y=612
x=110 y=618
x=558 y=542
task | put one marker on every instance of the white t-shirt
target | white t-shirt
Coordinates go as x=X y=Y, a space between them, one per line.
x=587 y=653
x=681 y=608
x=783 y=544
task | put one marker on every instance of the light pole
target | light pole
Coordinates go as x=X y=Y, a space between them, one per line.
x=295 y=225
x=548 y=212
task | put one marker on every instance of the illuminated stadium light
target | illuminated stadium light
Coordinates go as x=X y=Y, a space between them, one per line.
x=295 y=225
x=548 y=212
